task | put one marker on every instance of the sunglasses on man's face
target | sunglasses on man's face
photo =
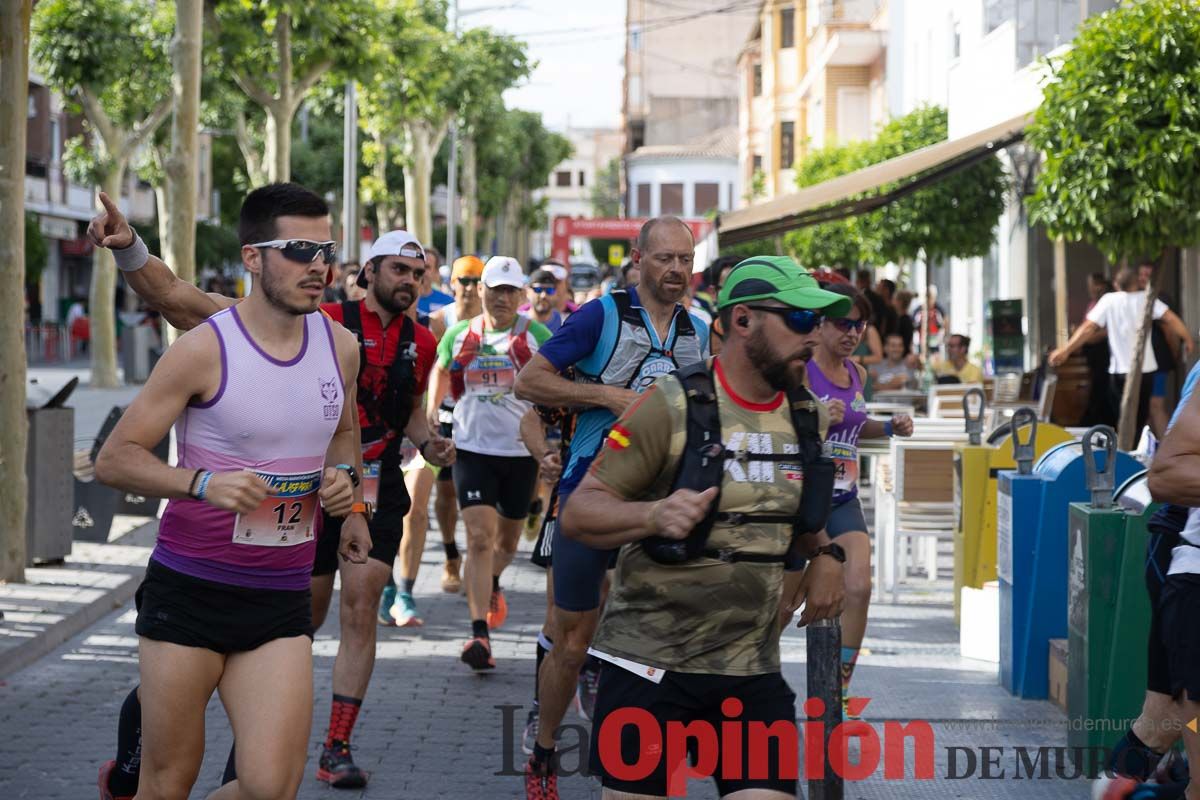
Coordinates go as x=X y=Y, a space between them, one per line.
x=547 y=290
x=800 y=320
x=302 y=251
x=469 y=281
x=847 y=325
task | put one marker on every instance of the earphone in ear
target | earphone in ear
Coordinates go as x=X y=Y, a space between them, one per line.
x=743 y=322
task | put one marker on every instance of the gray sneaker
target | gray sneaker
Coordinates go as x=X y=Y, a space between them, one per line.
x=529 y=738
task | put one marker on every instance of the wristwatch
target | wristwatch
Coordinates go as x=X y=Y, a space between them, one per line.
x=834 y=550
x=366 y=510
x=351 y=471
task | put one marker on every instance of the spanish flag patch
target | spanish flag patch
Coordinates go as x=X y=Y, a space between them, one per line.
x=618 y=438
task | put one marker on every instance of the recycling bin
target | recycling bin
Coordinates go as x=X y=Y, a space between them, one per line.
x=976 y=465
x=1108 y=610
x=1031 y=552
x=51 y=434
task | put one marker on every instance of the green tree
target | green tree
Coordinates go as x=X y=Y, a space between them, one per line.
x=36 y=250
x=276 y=51
x=842 y=243
x=1120 y=130
x=85 y=49
x=606 y=192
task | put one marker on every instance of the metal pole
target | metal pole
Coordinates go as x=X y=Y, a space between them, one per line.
x=825 y=683
x=452 y=171
x=350 y=234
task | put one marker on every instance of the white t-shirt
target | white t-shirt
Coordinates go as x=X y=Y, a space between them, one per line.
x=1120 y=314
x=487 y=418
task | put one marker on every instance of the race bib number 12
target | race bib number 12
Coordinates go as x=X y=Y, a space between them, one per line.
x=284 y=519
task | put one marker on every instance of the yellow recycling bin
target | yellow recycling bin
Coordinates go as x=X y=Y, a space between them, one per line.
x=975 y=467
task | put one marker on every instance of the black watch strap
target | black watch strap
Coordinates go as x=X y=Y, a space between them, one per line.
x=834 y=550
x=351 y=471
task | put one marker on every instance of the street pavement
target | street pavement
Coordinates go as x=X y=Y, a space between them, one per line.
x=431 y=729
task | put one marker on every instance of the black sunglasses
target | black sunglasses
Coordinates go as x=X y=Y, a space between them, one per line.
x=846 y=325
x=468 y=281
x=302 y=251
x=800 y=320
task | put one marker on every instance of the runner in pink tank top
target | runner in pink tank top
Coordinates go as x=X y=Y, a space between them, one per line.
x=262 y=399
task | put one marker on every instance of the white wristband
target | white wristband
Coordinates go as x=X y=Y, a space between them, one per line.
x=132 y=258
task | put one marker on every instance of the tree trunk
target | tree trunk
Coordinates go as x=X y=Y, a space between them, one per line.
x=418 y=180
x=278 y=155
x=928 y=315
x=179 y=241
x=1127 y=431
x=385 y=214
x=101 y=299
x=14 y=86
x=470 y=185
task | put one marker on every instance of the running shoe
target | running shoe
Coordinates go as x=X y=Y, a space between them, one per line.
x=529 y=738
x=405 y=611
x=386 y=601
x=540 y=783
x=585 y=690
x=102 y=781
x=497 y=610
x=451 y=582
x=477 y=654
x=337 y=768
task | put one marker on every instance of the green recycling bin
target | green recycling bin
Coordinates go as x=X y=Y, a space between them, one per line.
x=1108 y=610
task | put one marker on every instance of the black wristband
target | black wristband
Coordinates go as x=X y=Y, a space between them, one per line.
x=421 y=447
x=192 y=485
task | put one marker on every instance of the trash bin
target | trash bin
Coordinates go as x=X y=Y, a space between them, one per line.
x=1031 y=553
x=137 y=342
x=48 y=471
x=976 y=465
x=95 y=503
x=1109 y=609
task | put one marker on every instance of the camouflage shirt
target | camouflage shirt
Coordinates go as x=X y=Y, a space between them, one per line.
x=705 y=616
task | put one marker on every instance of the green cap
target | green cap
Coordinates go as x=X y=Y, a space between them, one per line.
x=780 y=278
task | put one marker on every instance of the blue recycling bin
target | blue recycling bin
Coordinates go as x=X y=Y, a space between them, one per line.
x=1031 y=550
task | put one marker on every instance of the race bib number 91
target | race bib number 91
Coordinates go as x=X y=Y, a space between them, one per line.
x=489 y=375
x=285 y=518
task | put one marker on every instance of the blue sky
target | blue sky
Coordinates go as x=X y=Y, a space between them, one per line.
x=578 y=45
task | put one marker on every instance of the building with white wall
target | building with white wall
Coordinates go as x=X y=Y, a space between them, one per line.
x=690 y=181
x=569 y=191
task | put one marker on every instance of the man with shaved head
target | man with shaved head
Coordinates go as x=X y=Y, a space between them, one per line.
x=616 y=345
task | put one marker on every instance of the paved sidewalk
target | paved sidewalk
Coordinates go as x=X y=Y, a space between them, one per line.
x=430 y=729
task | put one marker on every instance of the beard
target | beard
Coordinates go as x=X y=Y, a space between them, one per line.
x=395 y=301
x=661 y=293
x=275 y=291
x=780 y=372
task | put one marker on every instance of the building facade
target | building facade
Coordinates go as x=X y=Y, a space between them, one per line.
x=811 y=73
x=569 y=191
x=691 y=181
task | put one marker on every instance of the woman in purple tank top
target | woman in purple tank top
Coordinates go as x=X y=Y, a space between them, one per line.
x=838 y=382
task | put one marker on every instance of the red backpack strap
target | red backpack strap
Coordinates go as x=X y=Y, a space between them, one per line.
x=465 y=355
x=518 y=345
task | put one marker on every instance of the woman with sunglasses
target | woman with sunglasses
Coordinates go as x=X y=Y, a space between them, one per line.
x=838 y=381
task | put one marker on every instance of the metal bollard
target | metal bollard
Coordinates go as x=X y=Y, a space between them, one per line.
x=825 y=683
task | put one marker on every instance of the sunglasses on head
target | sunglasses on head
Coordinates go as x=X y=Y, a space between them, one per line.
x=469 y=281
x=800 y=320
x=543 y=289
x=302 y=251
x=847 y=325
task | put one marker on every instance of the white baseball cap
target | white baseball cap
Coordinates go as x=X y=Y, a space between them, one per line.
x=503 y=271
x=392 y=243
x=558 y=271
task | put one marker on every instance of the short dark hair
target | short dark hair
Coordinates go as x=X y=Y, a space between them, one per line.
x=435 y=253
x=845 y=273
x=893 y=336
x=863 y=275
x=890 y=285
x=1126 y=279
x=712 y=275
x=859 y=300
x=965 y=341
x=542 y=276
x=264 y=205
x=643 y=239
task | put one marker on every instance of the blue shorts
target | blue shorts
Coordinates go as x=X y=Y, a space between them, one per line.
x=1160 y=384
x=578 y=571
x=846 y=518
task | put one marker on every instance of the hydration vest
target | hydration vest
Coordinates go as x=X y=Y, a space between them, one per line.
x=702 y=466
x=518 y=351
x=395 y=401
x=634 y=350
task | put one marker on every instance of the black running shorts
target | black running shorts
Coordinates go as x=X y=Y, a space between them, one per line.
x=386 y=526
x=504 y=482
x=177 y=608
x=685 y=698
x=1180 y=629
x=1164 y=528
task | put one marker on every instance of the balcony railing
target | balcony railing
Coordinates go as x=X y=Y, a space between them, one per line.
x=1041 y=25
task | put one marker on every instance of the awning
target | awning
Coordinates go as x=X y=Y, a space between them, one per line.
x=859 y=192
